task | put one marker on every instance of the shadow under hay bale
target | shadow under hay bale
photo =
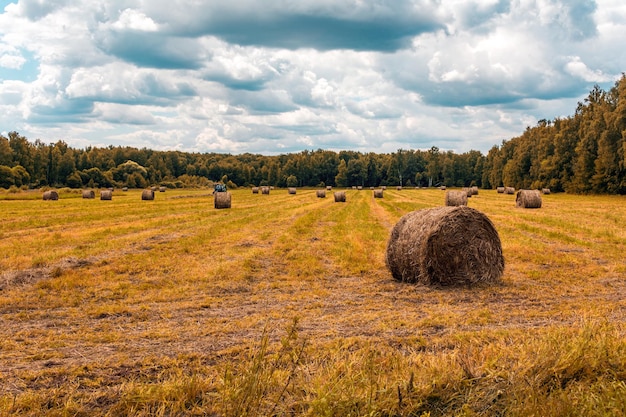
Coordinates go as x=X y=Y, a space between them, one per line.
x=222 y=200
x=321 y=193
x=378 y=193
x=528 y=199
x=89 y=194
x=147 y=194
x=500 y=190
x=340 y=196
x=265 y=190
x=51 y=195
x=445 y=246
x=255 y=190
x=456 y=198
x=106 y=195
x=291 y=190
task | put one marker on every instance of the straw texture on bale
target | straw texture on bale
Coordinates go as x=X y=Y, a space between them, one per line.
x=147 y=194
x=528 y=199
x=222 y=200
x=106 y=195
x=509 y=190
x=321 y=193
x=89 y=194
x=51 y=195
x=340 y=196
x=445 y=246
x=291 y=190
x=500 y=190
x=545 y=191
x=456 y=198
x=265 y=190
x=378 y=193
x=255 y=190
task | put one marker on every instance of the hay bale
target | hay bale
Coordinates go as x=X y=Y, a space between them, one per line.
x=509 y=190
x=147 y=194
x=265 y=190
x=255 y=190
x=329 y=187
x=474 y=190
x=360 y=187
x=545 y=191
x=321 y=193
x=467 y=191
x=106 y=195
x=291 y=190
x=399 y=187
x=456 y=198
x=89 y=194
x=153 y=188
x=222 y=200
x=51 y=195
x=500 y=190
x=162 y=189
x=124 y=188
x=378 y=193
x=340 y=196
x=384 y=187
x=528 y=199
x=445 y=246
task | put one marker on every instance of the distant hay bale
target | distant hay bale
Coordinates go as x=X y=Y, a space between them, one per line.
x=291 y=190
x=399 y=187
x=89 y=194
x=162 y=189
x=124 y=188
x=456 y=198
x=509 y=190
x=340 y=196
x=443 y=187
x=371 y=188
x=329 y=187
x=354 y=187
x=445 y=246
x=153 y=188
x=222 y=200
x=474 y=190
x=384 y=187
x=500 y=190
x=528 y=199
x=265 y=190
x=467 y=191
x=106 y=195
x=378 y=193
x=52 y=195
x=545 y=191
x=321 y=193
x=255 y=190
x=147 y=194
x=360 y=187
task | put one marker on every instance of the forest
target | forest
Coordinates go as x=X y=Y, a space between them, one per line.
x=584 y=153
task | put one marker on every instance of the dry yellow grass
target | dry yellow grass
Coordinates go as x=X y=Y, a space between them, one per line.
x=283 y=305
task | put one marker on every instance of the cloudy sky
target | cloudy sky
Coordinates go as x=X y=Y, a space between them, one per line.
x=278 y=76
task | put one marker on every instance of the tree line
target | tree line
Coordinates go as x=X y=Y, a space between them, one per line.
x=583 y=153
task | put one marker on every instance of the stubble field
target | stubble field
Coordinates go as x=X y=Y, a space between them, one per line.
x=282 y=305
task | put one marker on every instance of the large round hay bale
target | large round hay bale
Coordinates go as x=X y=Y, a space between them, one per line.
x=509 y=190
x=340 y=196
x=545 y=191
x=89 y=194
x=378 y=193
x=500 y=190
x=445 y=246
x=528 y=199
x=291 y=190
x=321 y=193
x=147 y=194
x=265 y=190
x=106 y=195
x=456 y=198
x=51 y=195
x=255 y=190
x=222 y=200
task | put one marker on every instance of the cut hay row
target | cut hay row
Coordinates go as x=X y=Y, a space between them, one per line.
x=446 y=246
x=456 y=198
x=528 y=199
x=222 y=200
x=340 y=196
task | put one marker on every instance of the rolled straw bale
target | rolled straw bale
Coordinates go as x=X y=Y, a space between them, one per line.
x=500 y=190
x=89 y=194
x=162 y=189
x=271 y=187
x=399 y=187
x=106 y=195
x=384 y=187
x=51 y=195
x=372 y=188
x=255 y=190
x=147 y=194
x=509 y=190
x=354 y=187
x=360 y=187
x=528 y=199
x=222 y=200
x=378 y=193
x=321 y=193
x=340 y=196
x=467 y=191
x=456 y=198
x=446 y=246
x=265 y=190
x=474 y=190
x=443 y=187
x=291 y=190
x=545 y=191
x=124 y=188
x=329 y=187
x=153 y=188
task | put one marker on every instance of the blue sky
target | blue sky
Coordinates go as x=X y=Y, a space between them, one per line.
x=278 y=76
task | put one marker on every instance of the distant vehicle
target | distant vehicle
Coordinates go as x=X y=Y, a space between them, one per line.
x=219 y=188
